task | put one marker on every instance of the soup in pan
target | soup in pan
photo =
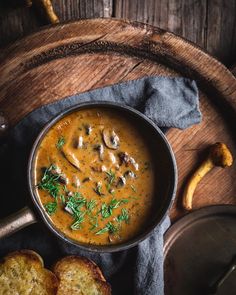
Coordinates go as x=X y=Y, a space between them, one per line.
x=94 y=176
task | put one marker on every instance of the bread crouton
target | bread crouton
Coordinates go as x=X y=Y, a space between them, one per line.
x=80 y=276
x=22 y=272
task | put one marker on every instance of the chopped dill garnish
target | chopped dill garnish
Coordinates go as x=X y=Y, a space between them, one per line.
x=110 y=179
x=61 y=141
x=110 y=228
x=114 y=203
x=133 y=188
x=124 y=216
x=93 y=222
x=65 y=189
x=124 y=201
x=79 y=219
x=62 y=197
x=50 y=182
x=74 y=204
x=90 y=205
x=51 y=207
x=110 y=176
x=102 y=231
x=107 y=209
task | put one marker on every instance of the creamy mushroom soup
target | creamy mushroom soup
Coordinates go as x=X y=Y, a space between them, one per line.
x=94 y=177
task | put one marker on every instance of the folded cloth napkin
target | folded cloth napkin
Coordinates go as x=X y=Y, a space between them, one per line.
x=169 y=102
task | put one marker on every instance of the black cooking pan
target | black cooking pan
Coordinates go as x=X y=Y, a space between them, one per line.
x=165 y=173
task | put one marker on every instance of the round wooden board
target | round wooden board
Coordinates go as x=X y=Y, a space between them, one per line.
x=78 y=56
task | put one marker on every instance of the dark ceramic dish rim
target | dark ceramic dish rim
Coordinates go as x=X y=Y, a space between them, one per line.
x=162 y=213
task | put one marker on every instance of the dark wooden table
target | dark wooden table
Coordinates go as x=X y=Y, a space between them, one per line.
x=209 y=23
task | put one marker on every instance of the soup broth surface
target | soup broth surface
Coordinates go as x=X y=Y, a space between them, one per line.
x=94 y=177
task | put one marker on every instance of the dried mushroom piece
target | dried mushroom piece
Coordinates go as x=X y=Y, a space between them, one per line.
x=75 y=181
x=86 y=179
x=129 y=174
x=46 y=6
x=98 y=189
x=127 y=160
x=121 y=182
x=79 y=142
x=110 y=139
x=71 y=158
x=98 y=167
x=68 y=210
x=220 y=156
x=100 y=149
x=112 y=157
x=88 y=129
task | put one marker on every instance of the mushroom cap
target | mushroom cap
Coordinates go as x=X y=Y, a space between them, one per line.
x=221 y=155
x=110 y=139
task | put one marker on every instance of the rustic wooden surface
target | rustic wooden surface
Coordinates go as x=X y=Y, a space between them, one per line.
x=79 y=56
x=209 y=23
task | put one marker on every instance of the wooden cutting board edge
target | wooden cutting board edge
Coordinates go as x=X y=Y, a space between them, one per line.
x=143 y=39
x=182 y=53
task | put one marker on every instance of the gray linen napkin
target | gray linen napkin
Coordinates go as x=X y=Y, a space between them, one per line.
x=169 y=102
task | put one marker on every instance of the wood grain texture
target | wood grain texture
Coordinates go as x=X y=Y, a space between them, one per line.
x=17 y=20
x=74 y=9
x=221 y=29
x=79 y=56
x=209 y=23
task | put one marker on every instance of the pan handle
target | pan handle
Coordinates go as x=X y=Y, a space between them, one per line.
x=16 y=221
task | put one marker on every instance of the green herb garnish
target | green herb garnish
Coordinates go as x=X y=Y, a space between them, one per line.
x=110 y=176
x=65 y=189
x=62 y=197
x=75 y=202
x=110 y=179
x=133 y=188
x=107 y=209
x=50 y=182
x=110 y=227
x=116 y=203
x=79 y=219
x=124 y=216
x=90 y=205
x=93 y=222
x=61 y=141
x=51 y=207
x=102 y=231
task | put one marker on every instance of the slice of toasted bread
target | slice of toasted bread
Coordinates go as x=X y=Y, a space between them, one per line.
x=22 y=272
x=80 y=276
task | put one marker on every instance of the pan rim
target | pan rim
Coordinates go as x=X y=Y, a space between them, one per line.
x=163 y=211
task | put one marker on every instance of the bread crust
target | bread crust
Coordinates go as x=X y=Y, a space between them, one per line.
x=29 y=254
x=22 y=272
x=80 y=264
